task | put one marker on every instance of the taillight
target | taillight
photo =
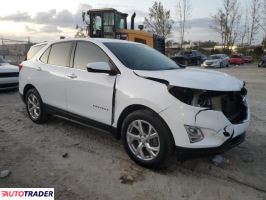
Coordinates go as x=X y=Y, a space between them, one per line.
x=20 y=66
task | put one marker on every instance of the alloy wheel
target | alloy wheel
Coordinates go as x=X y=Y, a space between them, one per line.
x=33 y=106
x=143 y=140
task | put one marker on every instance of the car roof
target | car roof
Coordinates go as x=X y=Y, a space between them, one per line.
x=100 y=40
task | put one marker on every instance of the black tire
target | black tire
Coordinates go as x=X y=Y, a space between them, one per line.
x=165 y=138
x=42 y=117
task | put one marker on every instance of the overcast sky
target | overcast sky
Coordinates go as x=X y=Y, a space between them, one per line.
x=48 y=19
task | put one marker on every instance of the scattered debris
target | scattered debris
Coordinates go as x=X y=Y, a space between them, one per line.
x=65 y=155
x=126 y=179
x=219 y=160
x=4 y=173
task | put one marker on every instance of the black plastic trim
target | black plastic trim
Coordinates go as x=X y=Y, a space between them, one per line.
x=9 y=85
x=56 y=111
x=9 y=74
x=189 y=153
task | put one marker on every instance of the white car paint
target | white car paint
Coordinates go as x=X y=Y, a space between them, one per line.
x=216 y=63
x=197 y=79
x=133 y=88
x=6 y=68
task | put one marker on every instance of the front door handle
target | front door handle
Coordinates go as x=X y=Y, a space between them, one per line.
x=39 y=69
x=72 y=76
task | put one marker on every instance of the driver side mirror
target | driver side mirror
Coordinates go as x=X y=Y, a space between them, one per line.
x=100 y=67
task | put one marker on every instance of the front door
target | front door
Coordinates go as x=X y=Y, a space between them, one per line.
x=90 y=94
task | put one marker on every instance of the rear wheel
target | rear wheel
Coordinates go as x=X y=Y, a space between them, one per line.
x=146 y=139
x=35 y=107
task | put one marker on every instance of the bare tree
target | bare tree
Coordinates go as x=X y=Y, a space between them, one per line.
x=159 y=20
x=264 y=17
x=183 y=14
x=255 y=19
x=245 y=30
x=226 y=22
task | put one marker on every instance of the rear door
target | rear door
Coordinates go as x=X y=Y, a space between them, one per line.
x=90 y=94
x=52 y=71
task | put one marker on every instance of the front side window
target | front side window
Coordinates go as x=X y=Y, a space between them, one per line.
x=86 y=53
x=141 y=57
x=60 y=53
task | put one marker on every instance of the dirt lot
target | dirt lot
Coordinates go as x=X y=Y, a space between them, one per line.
x=95 y=161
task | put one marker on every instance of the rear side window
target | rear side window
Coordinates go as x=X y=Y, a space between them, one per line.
x=87 y=52
x=34 y=50
x=60 y=53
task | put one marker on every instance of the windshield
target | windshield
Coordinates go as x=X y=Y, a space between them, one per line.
x=215 y=57
x=141 y=57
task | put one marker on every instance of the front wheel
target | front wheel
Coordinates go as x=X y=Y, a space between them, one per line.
x=146 y=138
x=35 y=107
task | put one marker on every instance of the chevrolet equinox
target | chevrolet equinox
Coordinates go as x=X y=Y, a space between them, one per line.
x=141 y=96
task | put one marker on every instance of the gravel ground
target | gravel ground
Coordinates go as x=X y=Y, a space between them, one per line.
x=84 y=163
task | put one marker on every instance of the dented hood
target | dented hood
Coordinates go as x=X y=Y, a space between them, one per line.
x=196 y=79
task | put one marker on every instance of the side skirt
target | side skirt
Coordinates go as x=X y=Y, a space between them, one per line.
x=80 y=119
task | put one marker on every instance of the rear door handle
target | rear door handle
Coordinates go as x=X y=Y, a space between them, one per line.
x=39 y=69
x=72 y=76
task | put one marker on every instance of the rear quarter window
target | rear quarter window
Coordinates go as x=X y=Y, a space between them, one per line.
x=33 y=51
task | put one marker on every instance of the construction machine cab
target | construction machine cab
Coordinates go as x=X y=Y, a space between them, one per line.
x=110 y=23
x=104 y=23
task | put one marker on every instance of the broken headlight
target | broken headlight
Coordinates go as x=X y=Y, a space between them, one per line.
x=183 y=94
x=199 y=98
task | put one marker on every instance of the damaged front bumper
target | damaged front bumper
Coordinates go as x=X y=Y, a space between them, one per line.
x=219 y=133
x=187 y=153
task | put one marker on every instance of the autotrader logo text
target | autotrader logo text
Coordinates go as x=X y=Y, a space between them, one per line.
x=27 y=193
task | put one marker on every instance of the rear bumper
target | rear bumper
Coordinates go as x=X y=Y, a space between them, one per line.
x=188 y=153
x=8 y=86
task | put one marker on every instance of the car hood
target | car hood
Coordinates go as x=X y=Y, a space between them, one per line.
x=196 y=79
x=5 y=67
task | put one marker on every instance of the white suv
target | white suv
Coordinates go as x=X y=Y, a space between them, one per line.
x=138 y=94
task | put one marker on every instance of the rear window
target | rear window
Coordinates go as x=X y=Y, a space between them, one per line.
x=60 y=53
x=34 y=50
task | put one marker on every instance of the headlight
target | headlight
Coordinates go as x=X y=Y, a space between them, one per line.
x=183 y=94
x=198 y=98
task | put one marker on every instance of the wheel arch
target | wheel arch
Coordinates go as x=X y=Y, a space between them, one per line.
x=26 y=89
x=131 y=108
